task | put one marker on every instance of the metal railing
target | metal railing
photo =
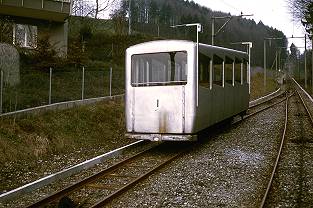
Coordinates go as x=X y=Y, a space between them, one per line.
x=42 y=1
x=41 y=88
x=1 y=90
x=22 y=3
x=64 y=1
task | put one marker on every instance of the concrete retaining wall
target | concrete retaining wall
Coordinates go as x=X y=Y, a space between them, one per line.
x=60 y=106
x=10 y=64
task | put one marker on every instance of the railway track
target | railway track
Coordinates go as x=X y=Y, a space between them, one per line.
x=103 y=193
x=290 y=178
x=107 y=184
x=260 y=107
x=127 y=173
x=264 y=105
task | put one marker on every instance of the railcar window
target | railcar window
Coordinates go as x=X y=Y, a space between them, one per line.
x=204 y=71
x=229 y=71
x=238 y=71
x=245 y=69
x=155 y=69
x=217 y=70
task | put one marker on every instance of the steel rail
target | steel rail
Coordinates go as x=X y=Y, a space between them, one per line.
x=66 y=191
x=306 y=107
x=267 y=107
x=66 y=172
x=261 y=110
x=274 y=94
x=307 y=94
x=265 y=101
x=277 y=158
x=134 y=182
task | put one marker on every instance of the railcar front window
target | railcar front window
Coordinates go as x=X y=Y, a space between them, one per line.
x=157 y=69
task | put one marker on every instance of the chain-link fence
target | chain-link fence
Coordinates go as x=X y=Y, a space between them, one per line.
x=39 y=88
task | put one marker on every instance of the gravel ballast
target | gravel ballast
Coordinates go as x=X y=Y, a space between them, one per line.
x=231 y=169
x=293 y=181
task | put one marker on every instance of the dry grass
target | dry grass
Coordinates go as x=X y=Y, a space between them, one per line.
x=56 y=132
x=257 y=86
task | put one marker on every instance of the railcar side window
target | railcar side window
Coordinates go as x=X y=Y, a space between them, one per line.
x=204 y=71
x=245 y=70
x=217 y=70
x=238 y=70
x=155 y=69
x=229 y=71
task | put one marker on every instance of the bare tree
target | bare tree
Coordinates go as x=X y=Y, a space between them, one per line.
x=83 y=8
x=118 y=16
x=91 y=8
x=103 y=6
x=303 y=12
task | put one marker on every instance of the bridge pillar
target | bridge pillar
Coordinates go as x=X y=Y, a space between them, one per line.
x=48 y=15
x=58 y=36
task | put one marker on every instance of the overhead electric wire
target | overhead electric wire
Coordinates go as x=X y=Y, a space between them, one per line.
x=230 y=5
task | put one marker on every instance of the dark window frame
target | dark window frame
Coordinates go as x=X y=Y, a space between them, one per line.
x=172 y=69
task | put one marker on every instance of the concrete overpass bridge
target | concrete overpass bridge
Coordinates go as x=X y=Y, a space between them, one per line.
x=47 y=17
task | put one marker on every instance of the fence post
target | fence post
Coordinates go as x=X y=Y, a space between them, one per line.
x=1 y=90
x=50 y=86
x=83 y=83
x=110 y=81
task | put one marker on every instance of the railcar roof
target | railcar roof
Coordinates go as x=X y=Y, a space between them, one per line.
x=208 y=50
x=162 y=42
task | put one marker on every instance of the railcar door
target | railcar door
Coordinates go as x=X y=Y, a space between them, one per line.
x=158 y=102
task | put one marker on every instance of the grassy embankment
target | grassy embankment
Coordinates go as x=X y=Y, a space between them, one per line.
x=34 y=137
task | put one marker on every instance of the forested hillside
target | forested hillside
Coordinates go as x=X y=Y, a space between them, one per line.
x=156 y=16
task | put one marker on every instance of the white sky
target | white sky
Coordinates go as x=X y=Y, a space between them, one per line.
x=274 y=13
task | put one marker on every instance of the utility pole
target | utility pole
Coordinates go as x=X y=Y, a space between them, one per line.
x=264 y=56
x=213 y=20
x=279 y=59
x=129 y=18
x=276 y=63
x=229 y=17
x=264 y=62
x=305 y=61
x=249 y=45
x=305 y=68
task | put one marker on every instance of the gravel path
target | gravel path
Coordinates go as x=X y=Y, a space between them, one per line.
x=228 y=170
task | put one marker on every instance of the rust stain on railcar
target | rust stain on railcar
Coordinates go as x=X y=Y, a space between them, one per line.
x=163 y=117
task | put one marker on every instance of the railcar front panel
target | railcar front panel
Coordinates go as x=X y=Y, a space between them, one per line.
x=157 y=82
x=158 y=109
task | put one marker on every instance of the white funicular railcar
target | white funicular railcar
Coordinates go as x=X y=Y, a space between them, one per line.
x=169 y=97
